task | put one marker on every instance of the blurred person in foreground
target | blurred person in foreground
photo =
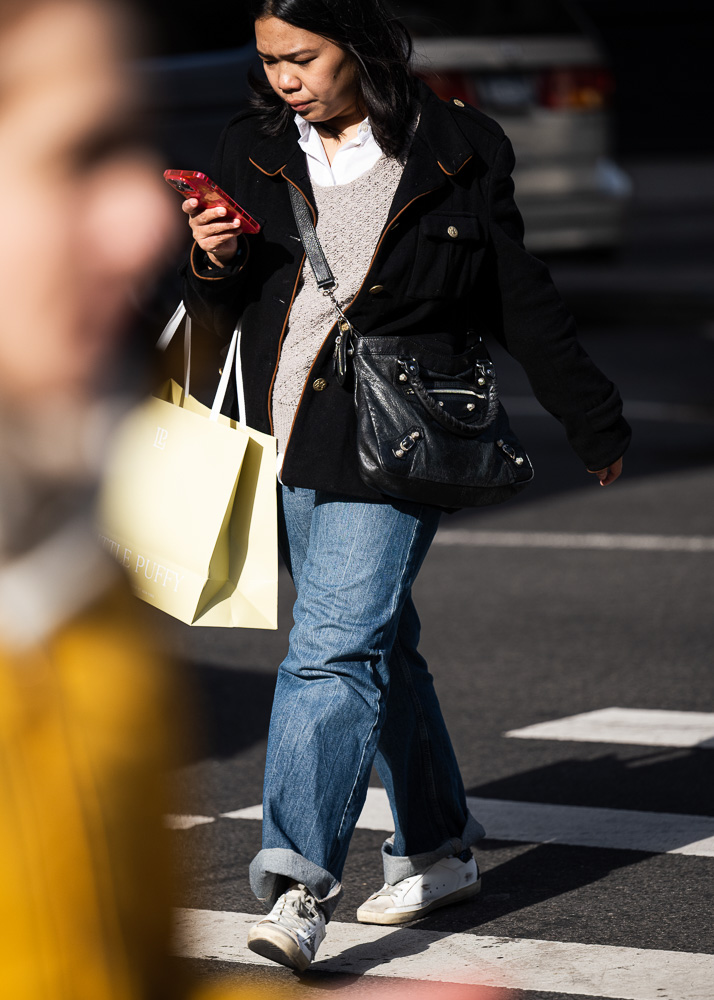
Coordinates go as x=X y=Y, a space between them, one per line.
x=84 y=700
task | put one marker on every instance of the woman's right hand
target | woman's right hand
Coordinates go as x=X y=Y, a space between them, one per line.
x=215 y=234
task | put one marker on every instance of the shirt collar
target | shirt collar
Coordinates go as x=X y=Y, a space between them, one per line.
x=364 y=131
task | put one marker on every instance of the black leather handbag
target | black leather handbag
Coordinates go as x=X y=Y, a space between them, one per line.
x=430 y=426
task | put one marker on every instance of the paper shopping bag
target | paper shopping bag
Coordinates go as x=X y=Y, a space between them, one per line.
x=189 y=508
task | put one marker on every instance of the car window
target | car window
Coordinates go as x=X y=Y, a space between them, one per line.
x=487 y=17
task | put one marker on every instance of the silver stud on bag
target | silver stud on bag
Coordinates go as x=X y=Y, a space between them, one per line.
x=402 y=377
x=470 y=406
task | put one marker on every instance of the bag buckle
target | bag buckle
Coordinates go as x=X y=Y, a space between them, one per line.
x=510 y=451
x=409 y=367
x=406 y=444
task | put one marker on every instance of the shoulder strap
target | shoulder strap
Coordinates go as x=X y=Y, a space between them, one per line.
x=315 y=254
x=325 y=280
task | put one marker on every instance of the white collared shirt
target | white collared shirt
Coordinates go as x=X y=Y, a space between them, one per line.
x=351 y=160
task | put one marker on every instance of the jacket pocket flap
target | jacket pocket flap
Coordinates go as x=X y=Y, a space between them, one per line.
x=451 y=227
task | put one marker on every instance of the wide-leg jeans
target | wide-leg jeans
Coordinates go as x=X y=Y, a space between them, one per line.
x=353 y=691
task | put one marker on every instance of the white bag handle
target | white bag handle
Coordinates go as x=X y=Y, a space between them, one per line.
x=233 y=361
x=167 y=335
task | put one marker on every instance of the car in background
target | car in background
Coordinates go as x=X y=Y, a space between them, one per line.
x=537 y=67
x=533 y=65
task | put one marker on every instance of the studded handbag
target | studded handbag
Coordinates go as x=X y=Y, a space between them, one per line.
x=430 y=426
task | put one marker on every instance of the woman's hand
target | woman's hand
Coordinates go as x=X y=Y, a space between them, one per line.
x=608 y=475
x=215 y=234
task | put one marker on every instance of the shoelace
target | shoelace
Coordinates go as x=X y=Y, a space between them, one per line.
x=296 y=907
x=389 y=890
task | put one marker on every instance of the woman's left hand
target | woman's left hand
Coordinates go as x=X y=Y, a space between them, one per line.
x=608 y=475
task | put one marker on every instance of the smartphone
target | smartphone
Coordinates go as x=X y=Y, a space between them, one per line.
x=193 y=184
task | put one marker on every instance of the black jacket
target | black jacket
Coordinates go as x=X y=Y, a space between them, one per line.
x=450 y=259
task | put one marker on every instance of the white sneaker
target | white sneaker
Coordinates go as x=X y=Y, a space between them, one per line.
x=451 y=880
x=292 y=932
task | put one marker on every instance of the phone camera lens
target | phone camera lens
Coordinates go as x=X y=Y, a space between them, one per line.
x=182 y=185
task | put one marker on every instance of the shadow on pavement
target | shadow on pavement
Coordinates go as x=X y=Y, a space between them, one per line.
x=232 y=708
x=534 y=876
x=662 y=780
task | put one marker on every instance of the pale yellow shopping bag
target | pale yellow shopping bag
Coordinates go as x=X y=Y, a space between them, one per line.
x=189 y=507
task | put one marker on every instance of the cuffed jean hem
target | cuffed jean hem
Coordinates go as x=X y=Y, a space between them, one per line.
x=396 y=868
x=274 y=867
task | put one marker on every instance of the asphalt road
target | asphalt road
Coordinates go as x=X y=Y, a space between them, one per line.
x=517 y=634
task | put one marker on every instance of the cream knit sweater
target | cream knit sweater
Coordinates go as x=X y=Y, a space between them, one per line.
x=350 y=219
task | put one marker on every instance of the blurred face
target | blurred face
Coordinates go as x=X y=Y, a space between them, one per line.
x=314 y=76
x=84 y=216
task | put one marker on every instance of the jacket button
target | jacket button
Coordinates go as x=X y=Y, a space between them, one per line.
x=458 y=103
x=319 y=384
x=376 y=289
x=453 y=232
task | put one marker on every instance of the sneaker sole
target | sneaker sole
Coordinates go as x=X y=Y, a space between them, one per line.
x=404 y=916
x=273 y=943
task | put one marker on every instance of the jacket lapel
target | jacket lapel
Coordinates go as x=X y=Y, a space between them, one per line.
x=282 y=155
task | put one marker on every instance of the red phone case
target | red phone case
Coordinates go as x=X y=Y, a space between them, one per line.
x=193 y=184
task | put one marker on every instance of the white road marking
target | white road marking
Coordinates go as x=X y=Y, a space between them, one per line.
x=641 y=726
x=577 y=826
x=574 y=540
x=176 y=822
x=250 y=812
x=469 y=959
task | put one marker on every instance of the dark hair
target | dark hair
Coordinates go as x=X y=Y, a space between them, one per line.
x=380 y=46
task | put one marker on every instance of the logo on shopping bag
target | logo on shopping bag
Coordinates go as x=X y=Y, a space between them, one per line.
x=150 y=569
x=160 y=439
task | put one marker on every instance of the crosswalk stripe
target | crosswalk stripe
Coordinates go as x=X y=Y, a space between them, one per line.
x=641 y=726
x=573 y=540
x=177 y=822
x=576 y=826
x=468 y=959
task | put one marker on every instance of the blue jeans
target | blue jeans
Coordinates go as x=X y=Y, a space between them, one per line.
x=354 y=691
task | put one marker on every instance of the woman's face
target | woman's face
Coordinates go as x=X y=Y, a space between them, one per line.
x=84 y=214
x=314 y=76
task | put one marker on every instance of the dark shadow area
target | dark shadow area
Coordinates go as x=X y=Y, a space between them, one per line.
x=666 y=42
x=231 y=709
x=656 y=780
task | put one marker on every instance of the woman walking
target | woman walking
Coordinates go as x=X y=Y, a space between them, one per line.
x=415 y=213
